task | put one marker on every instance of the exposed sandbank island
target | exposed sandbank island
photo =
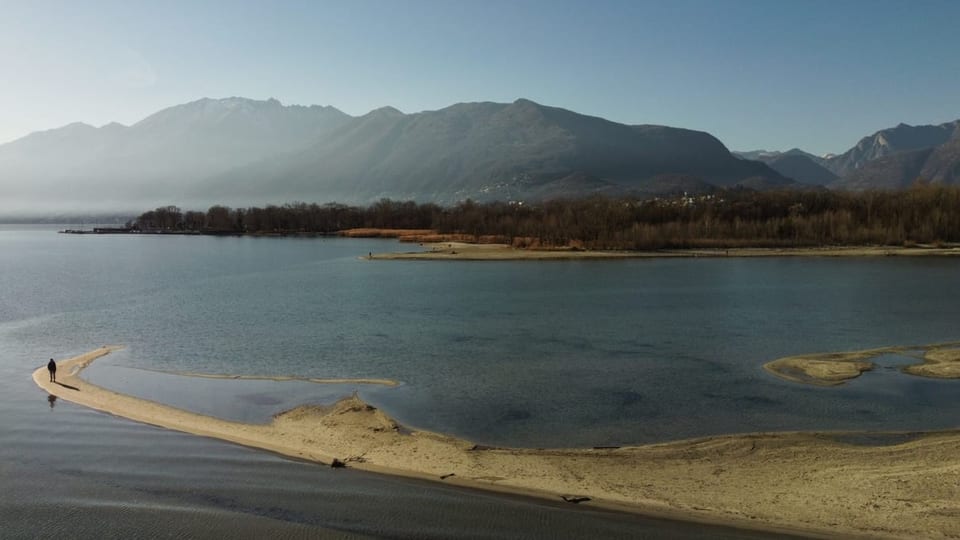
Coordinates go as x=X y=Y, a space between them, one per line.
x=939 y=360
x=464 y=251
x=813 y=483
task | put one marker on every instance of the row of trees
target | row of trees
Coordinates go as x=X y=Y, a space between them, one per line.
x=289 y=218
x=732 y=218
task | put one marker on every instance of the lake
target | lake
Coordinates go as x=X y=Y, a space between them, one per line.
x=519 y=353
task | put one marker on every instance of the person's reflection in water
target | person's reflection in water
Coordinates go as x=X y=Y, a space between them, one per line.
x=52 y=399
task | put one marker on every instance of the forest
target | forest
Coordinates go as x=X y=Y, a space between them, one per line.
x=923 y=214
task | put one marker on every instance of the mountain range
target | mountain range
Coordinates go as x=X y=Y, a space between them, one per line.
x=891 y=158
x=520 y=150
x=240 y=151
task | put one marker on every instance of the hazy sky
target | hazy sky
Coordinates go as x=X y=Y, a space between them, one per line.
x=757 y=74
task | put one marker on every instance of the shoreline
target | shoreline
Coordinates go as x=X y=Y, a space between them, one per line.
x=462 y=251
x=453 y=246
x=808 y=483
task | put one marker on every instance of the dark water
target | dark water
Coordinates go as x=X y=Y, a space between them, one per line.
x=512 y=353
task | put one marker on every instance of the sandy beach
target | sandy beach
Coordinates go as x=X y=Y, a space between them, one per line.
x=463 y=251
x=815 y=483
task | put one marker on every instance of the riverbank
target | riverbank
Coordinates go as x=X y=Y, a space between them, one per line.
x=492 y=252
x=808 y=482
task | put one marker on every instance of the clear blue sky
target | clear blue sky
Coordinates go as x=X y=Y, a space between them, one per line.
x=757 y=74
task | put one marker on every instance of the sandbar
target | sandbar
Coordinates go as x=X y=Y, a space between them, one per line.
x=464 y=251
x=939 y=360
x=812 y=483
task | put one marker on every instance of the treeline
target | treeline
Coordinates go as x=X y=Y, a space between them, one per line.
x=734 y=218
x=290 y=218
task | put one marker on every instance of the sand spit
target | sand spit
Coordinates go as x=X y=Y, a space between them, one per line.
x=801 y=482
x=276 y=378
x=462 y=251
x=940 y=360
x=498 y=252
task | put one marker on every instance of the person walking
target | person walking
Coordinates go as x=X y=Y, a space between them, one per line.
x=52 y=368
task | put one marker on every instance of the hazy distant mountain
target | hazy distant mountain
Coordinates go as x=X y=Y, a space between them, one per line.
x=490 y=151
x=802 y=169
x=886 y=142
x=796 y=164
x=757 y=155
x=242 y=151
x=768 y=156
x=79 y=166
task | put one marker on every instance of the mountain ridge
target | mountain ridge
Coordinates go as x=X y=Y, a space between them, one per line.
x=795 y=163
x=243 y=151
x=891 y=158
x=885 y=142
x=897 y=157
x=256 y=151
x=489 y=150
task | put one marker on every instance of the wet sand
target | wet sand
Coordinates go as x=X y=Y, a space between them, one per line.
x=802 y=482
x=498 y=252
x=939 y=360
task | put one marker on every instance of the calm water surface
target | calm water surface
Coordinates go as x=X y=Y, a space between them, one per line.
x=514 y=353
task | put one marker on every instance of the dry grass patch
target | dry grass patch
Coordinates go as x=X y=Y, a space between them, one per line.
x=372 y=232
